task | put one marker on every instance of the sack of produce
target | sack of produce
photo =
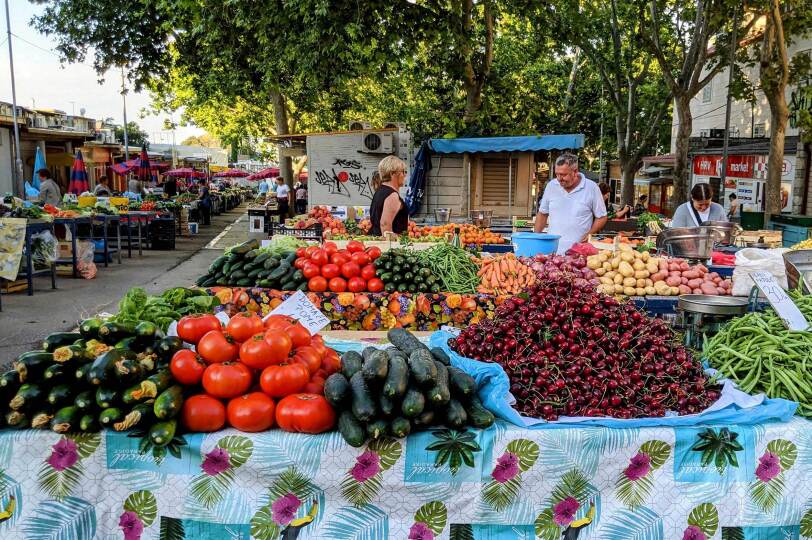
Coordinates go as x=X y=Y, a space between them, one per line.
x=758 y=260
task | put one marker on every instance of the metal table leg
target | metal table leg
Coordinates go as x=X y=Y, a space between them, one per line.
x=74 y=256
x=140 y=249
x=118 y=240
x=105 y=237
x=129 y=237
x=29 y=265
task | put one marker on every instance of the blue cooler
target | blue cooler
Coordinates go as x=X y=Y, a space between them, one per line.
x=527 y=244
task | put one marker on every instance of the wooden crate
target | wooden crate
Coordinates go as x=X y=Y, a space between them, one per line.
x=772 y=238
x=17 y=285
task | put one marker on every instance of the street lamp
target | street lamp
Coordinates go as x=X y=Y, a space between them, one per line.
x=18 y=163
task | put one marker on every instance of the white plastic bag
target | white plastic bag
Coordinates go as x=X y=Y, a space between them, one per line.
x=757 y=260
x=44 y=249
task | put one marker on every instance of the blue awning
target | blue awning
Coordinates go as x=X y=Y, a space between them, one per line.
x=530 y=143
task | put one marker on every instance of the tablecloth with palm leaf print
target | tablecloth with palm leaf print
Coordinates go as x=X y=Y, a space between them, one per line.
x=721 y=482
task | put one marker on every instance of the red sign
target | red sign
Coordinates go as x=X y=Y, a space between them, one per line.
x=737 y=166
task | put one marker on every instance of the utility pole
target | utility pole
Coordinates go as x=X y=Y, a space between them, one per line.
x=124 y=100
x=18 y=162
x=731 y=61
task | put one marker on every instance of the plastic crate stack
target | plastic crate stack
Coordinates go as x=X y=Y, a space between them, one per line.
x=162 y=233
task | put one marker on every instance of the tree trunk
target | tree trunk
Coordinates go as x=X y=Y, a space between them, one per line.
x=779 y=113
x=280 y=113
x=682 y=167
x=628 y=168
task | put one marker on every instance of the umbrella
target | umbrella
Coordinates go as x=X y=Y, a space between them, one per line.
x=39 y=163
x=126 y=167
x=144 y=170
x=230 y=173
x=270 y=172
x=78 y=176
x=185 y=172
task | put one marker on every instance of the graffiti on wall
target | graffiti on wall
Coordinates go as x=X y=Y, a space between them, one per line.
x=346 y=183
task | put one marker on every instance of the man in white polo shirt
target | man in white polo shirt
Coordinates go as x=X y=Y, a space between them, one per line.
x=572 y=205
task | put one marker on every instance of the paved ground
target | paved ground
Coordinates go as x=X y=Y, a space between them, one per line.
x=25 y=320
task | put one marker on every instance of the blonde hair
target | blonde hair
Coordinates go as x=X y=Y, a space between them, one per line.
x=389 y=165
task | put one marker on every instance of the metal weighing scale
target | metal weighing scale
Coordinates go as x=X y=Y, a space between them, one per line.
x=703 y=315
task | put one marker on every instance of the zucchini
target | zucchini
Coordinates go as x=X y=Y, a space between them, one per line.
x=138 y=415
x=455 y=415
x=388 y=406
x=72 y=353
x=89 y=328
x=439 y=394
x=128 y=344
x=146 y=331
x=128 y=370
x=82 y=371
x=462 y=385
x=405 y=341
x=377 y=429
x=426 y=418
x=351 y=429
x=413 y=403
x=41 y=420
x=424 y=371
x=89 y=423
x=110 y=416
x=59 y=339
x=16 y=419
x=31 y=366
x=169 y=403
x=351 y=362
x=400 y=427
x=376 y=366
x=441 y=356
x=59 y=395
x=111 y=332
x=148 y=388
x=162 y=433
x=28 y=396
x=397 y=378
x=85 y=400
x=106 y=397
x=103 y=369
x=66 y=419
x=363 y=407
x=478 y=415
x=168 y=346
x=337 y=390
x=10 y=380
x=55 y=373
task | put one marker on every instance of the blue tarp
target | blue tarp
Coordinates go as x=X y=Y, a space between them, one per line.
x=528 y=143
x=417 y=180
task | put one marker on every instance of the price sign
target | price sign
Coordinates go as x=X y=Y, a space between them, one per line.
x=780 y=301
x=300 y=308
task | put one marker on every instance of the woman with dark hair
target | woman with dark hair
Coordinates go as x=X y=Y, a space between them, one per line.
x=614 y=211
x=699 y=209
x=49 y=192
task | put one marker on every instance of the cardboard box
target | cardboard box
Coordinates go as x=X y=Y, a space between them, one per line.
x=64 y=250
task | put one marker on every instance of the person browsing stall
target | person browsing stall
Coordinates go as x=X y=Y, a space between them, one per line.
x=614 y=211
x=699 y=209
x=571 y=206
x=102 y=189
x=49 y=192
x=282 y=197
x=388 y=212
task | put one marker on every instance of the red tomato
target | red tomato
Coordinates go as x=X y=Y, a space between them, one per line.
x=251 y=412
x=310 y=250
x=227 y=380
x=331 y=362
x=278 y=322
x=354 y=246
x=319 y=257
x=244 y=325
x=203 y=413
x=329 y=271
x=330 y=247
x=279 y=345
x=192 y=328
x=299 y=335
x=374 y=252
x=317 y=343
x=375 y=285
x=187 y=367
x=339 y=258
x=256 y=353
x=300 y=263
x=356 y=284
x=301 y=253
x=317 y=284
x=305 y=413
x=217 y=347
x=360 y=258
x=308 y=356
x=314 y=387
x=368 y=271
x=338 y=284
x=284 y=379
x=350 y=270
x=310 y=270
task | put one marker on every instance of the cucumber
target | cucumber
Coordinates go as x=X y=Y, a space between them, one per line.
x=89 y=423
x=162 y=433
x=111 y=332
x=302 y=287
x=298 y=276
x=376 y=366
x=209 y=282
x=148 y=388
x=85 y=400
x=351 y=429
x=413 y=403
x=59 y=339
x=27 y=397
x=290 y=258
x=138 y=415
x=203 y=280
x=337 y=390
x=279 y=271
x=478 y=415
x=217 y=264
x=41 y=420
x=367 y=352
x=251 y=254
x=169 y=403
x=441 y=356
x=400 y=427
x=426 y=418
x=363 y=407
x=397 y=379
x=59 y=395
x=261 y=258
x=405 y=341
x=377 y=429
x=245 y=282
x=271 y=263
x=455 y=415
x=71 y=353
x=16 y=419
x=236 y=275
x=245 y=247
x=89 y=328
x=424 y=371
x=110 y=416
x=66 y=419
x=146 y=331
x=103 y=369
x=439 y=394
x=351 y=363
x=106 y=397
x=289 y=285
x=462 y=385
x=32 y=365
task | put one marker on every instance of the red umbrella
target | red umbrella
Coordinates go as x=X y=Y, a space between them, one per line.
x=270 y=172
x=231 y=173
x=78 y=176
x=185 y=172
x=144 y=168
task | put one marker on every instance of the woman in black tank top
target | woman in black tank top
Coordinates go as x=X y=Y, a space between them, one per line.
x=388 y=212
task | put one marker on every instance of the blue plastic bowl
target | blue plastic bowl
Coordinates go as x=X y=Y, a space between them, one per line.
x=527 y=244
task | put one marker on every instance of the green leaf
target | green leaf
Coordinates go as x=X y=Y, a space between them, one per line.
x=766 y=495
x=388 y=450
x=706 y=517
x=573 y=484
x=501 y=495
x=434 y=515
x=658 y=451
x=239 y=449
x=144 y=504
x=546 y=528
x=633 y=493
x=263 y=526
x=786 y=451
x=367 y=523
x=171 y=529
x=68 y=519
x=60 y=484
x=292 y=481
x=360 y=493
x=527 y=452
x=210 y=490
x=806 y=524
x=86 y=443
x=461 y=531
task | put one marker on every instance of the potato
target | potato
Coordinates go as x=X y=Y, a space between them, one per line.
x=675 y=291
x=651 y=290
x=691 y=274
x=618 y=279
x=593 y=263
x=606 y=289
x=629 y=282
x=708 y=288
x=641 y=274
x=649 y=283
x=640 y=291
x=652 y=268
x=645 y=257
x=640 y=283
x=626 y=269
x=616 y=263
x=684 y=289
x=603 y=256
x=606 y=265
x=627 y=256
x=672 y=281
x=639 y=265
x=695 y=283
x=659 y=276
x=629 y=291
x=625 y=247
x=606 y=280
x=618 y=289
x=600 y=271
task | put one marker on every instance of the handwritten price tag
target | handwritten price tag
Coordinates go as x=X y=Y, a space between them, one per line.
x=300 y=308
x=780 y=301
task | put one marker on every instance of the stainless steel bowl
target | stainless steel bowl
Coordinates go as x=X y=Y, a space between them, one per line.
x=713 y=305
x=442 y=215
x=799 y=269
x=688 y=242
x=728 y=229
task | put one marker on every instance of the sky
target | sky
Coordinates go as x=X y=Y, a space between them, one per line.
x=42 y=81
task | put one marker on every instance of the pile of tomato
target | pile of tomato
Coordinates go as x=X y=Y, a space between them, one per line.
x=252 y=375
x=328 y=268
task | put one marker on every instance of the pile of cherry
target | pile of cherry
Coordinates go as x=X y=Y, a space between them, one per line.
x=571 y=351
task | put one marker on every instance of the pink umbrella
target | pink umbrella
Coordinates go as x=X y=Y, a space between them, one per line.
x=231 y=173
x=270 y=172
x=185 y=172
